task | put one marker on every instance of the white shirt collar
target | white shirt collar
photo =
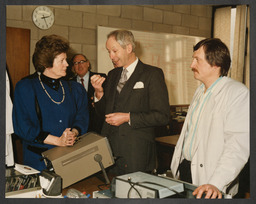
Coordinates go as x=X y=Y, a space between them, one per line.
x=84 y=77
x=131 y=68
x=86 y=80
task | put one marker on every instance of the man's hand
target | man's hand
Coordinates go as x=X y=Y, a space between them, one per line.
x=117 y=119
x=97 y=81
x=210 y=191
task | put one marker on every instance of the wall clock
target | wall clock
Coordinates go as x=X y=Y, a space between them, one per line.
x=43 y=17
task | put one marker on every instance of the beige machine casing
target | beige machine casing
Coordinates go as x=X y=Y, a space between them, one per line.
x=77 y=162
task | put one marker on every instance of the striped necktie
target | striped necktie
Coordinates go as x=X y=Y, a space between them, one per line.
x=122 y=80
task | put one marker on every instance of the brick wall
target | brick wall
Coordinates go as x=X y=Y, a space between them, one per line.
x=78 y=23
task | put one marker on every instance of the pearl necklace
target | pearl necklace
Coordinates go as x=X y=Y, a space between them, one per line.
x=63 y=91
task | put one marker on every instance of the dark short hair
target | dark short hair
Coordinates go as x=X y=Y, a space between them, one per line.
x=72 y=60
x=216 y=54
x=123 y=37
x=47 y=48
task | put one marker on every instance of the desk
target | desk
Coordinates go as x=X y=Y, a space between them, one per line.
x=168 y=140
x=165 y=148
x=187 y=193
x=165 y=145
x=89 y=184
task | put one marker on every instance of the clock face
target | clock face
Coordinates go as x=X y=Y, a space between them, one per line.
x=43 y=17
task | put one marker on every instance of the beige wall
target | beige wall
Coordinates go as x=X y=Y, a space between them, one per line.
x=78 y=23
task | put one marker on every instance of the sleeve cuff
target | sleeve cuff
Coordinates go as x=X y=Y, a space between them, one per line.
x=95 y=98
x=78 y=129
x=41 y=137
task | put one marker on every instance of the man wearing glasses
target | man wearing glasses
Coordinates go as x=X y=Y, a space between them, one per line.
x=81 y=67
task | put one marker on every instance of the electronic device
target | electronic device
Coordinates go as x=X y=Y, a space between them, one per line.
x=103 y=194
x=74 y=163
x=51 y=183
x=143 y=185
x=19 y=185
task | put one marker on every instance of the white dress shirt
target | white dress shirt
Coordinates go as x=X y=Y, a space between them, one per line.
x=86 y=80
x=130 y=70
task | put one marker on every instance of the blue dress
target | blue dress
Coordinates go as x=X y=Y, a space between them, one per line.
x=33 y=126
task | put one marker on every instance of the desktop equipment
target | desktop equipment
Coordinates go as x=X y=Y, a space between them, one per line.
x=89 y=155
x=143 y=185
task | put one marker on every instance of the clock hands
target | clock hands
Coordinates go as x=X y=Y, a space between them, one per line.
x=44 y=17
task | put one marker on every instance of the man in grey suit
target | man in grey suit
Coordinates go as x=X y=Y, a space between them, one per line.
x=134 y=101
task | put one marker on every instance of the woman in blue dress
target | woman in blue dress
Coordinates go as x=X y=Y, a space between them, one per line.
x=48 y=111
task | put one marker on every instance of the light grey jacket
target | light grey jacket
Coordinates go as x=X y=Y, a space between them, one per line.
x=222 y=147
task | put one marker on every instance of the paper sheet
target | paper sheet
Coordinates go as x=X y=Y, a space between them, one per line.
x=24 y=169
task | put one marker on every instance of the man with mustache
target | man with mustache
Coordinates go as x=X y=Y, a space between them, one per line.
x=214 y=143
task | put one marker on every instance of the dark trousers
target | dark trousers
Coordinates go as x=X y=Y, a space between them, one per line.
x=185 y=171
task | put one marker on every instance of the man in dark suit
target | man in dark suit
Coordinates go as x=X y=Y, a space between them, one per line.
x=131 y=112
x=81 y=66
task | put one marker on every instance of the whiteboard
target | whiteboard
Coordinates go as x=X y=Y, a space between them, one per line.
x=170 y=52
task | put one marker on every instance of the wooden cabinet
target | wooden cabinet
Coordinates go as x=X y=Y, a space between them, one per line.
x=17 y=53
x=17 y=59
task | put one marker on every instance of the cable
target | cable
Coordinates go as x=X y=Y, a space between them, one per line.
x=105 y=184
x=132 y=187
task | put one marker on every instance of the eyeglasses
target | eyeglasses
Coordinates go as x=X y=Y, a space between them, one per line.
x=81 y=62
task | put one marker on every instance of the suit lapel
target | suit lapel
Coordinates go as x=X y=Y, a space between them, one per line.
x=112 y=89
x=128 y=87
x=206 y=120
x=90 y=87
